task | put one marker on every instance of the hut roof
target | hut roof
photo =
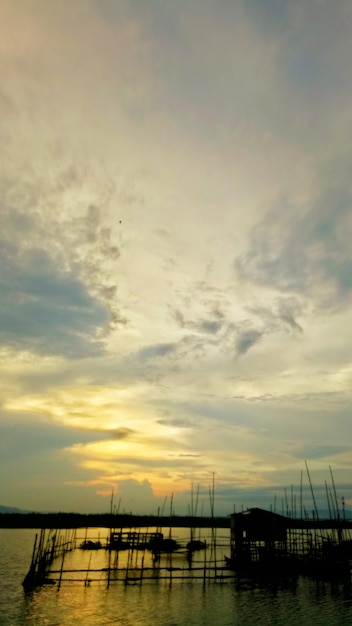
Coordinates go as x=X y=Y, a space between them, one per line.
x=259 y=524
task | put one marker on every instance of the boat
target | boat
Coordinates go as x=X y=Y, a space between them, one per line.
x=90 y=545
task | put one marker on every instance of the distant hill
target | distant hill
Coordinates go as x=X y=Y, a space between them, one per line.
x=11 y=509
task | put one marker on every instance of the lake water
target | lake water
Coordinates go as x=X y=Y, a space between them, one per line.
x=156 y=603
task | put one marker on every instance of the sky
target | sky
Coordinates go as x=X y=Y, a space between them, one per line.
x=175 y=254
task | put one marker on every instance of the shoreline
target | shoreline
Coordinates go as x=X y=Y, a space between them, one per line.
x=107 y=520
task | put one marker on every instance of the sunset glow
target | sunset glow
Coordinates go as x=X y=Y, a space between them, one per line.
x=176 y=261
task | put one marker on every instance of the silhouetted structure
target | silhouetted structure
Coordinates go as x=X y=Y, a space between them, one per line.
x=265 y=541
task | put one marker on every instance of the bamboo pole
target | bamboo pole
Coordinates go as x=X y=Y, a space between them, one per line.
x=62 y=568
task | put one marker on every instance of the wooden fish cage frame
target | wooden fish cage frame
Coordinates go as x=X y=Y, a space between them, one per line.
x=146 y=556
x=261 y=542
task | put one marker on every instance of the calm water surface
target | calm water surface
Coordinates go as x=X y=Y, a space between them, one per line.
x=234 y=602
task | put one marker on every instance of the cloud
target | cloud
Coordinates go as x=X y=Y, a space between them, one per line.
x=155 y=352
x=321 y=451
x=133 y=494
x=80 y=245
x=176 y=422
x=246 y=339
x=211 y=324
x=44 y=309
x=211 y=327
x=119 y=433
x=25 y=438
x=288 y=309
x=280 y=316
x=304 y=251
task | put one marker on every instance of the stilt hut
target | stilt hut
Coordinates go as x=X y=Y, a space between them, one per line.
x=257 y=536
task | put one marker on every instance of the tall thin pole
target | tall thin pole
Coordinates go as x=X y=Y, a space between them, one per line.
x=311 y=488
x=286 y=501
x=339 y=531
x=328 y=499
x=335 y=494
x=111 y=501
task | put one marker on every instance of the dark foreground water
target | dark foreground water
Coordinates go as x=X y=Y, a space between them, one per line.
x=155 y=603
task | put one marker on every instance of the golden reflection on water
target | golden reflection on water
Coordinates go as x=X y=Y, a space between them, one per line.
x=238 y=602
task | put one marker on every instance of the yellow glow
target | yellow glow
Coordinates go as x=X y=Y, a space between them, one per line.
x=90 y=408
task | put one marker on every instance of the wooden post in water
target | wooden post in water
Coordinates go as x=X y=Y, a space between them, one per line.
x=205 y=567
x=87 y=581
x=142 y=569
x=109 y=568
x=34 y=547
x=213 y=530
x=62 y=567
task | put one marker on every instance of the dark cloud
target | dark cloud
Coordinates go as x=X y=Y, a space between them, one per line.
x=176 y=422
x=119 y=433
x=25 y=438
x=210 y=325
x=287 y=311
x=192 y=456
x=177 y=315
x=157 y=462
x=79 y=242
x=281 y=316
x=246 y=339
x=45 y=310
x=320 y=451
x=157 y=351
x=217 y=331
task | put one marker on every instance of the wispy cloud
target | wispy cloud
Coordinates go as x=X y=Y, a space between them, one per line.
x=305 y=251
